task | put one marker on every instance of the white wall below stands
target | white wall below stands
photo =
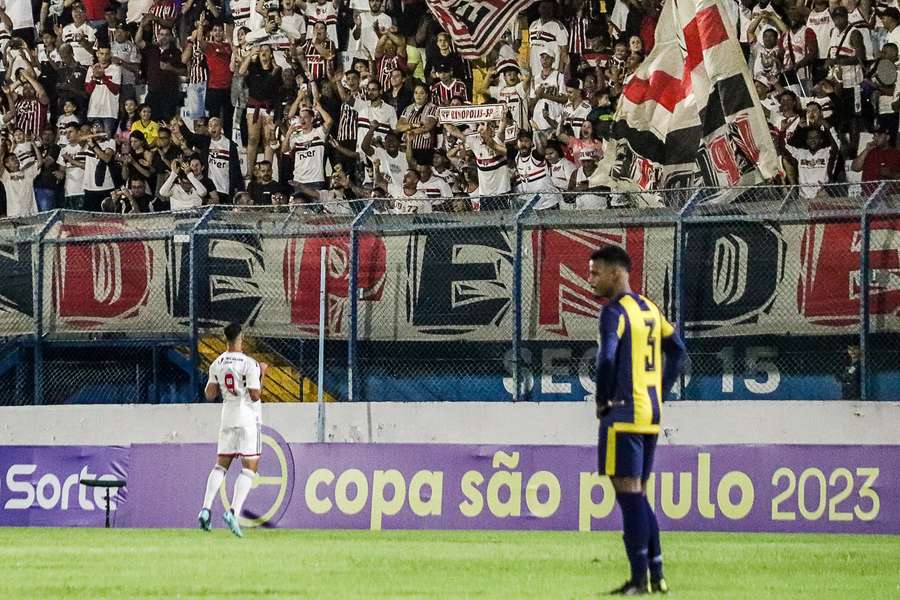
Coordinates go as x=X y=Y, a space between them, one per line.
x=690 y=423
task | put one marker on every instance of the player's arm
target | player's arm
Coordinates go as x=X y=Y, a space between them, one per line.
x=212 y=386
x=255 y=379
x=612 y=327
x=674 y=355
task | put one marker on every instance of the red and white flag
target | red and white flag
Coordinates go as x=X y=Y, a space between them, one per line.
x=476 y=25
x=689 y=116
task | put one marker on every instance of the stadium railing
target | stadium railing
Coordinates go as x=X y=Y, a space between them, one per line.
x=774 y=287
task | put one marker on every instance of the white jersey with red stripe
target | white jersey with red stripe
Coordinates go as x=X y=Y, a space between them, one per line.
x=516 y=99
x=493 y=174
x=821 y=24
x=408 y=204
x=435 y=187
x=322 y=13
x=561 y=173
x=280 y=43
x=309 y=155
x=793 y=44
x=240 y=14
x=532 y=172
x=219 y=165
x=812 y=168
x=576 y=116
x=236 y=374
x=534 y=177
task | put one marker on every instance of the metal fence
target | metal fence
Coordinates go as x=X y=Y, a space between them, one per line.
x=782 y=293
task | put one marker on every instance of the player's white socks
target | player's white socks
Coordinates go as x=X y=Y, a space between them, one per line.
x=241 y=489
x=213 y=483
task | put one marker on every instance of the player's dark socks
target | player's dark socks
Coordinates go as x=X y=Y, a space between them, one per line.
x=654 y=550
x=637 y=531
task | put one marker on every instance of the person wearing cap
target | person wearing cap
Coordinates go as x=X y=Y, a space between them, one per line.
x=878 y=160
x=547 y=93
x=511 y=91
x=447 y=86
x=580 y=182
x=546 y=34
x=576 y=110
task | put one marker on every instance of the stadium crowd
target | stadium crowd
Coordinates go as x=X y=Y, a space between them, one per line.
x=152 y=105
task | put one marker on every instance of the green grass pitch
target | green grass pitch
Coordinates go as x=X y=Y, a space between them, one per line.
x=125 y=564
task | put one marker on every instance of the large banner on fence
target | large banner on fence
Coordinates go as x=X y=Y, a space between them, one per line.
x=741 y=279
x=838 y=489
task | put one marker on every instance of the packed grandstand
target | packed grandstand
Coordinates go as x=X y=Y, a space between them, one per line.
x=153 y=105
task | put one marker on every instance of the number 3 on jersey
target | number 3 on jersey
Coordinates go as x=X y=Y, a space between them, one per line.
x=229 y=383
x=650 y=356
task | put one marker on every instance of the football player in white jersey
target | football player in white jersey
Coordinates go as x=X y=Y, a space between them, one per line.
x=238 y=378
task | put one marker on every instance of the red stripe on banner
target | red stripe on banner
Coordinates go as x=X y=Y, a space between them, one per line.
x=662 y=88
x=703 y=32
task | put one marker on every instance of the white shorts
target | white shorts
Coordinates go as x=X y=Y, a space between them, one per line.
x=240 y=441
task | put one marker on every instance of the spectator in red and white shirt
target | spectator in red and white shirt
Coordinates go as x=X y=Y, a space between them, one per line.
x=800 y=51
x=546 y=34
x=322 y=11
x=194 y=58
x=218 y=53
x=390 y=54
x=320 y=53
x=447 y=87
x=31 y=104
x=103 y=82
x=81 y=36
x=163 y=14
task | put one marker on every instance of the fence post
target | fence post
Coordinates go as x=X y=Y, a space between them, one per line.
x=353 y=292
x=192 y=300
x=678 y=300
x=517 y=298
x=37 y=292
x=864 y=313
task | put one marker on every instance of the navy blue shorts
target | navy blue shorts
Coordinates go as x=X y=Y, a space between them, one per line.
x=625 y=454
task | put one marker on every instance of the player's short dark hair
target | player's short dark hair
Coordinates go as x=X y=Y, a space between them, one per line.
x=613 y=255
x=232 y=331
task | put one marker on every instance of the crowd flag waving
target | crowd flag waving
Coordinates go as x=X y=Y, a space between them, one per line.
x=689 y=116
x=476 y=25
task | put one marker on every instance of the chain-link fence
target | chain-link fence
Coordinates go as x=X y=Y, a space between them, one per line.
x=435 y=316
x=782 y=293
